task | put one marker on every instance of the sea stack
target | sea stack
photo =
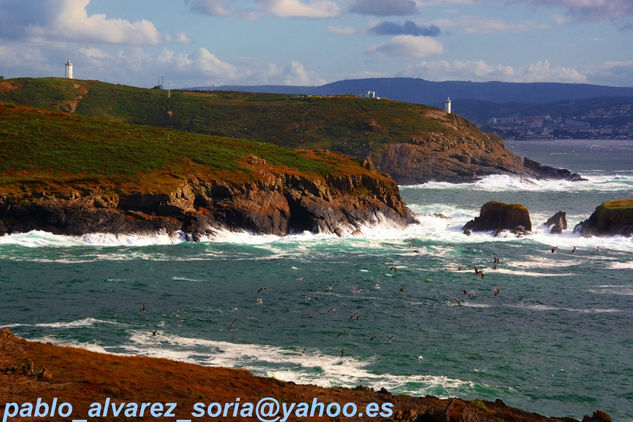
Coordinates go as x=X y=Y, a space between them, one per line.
x=609 y=219
x=501 y=216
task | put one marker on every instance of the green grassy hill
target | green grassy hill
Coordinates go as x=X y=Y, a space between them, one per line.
x=48 y=147
x=436 y=145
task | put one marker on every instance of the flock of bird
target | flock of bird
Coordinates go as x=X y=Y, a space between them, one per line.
x=356 y=315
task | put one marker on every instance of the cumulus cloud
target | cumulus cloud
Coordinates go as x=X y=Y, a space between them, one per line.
x=383 y=8
x=296 y=74
x=342 y=30
x=298 y=9
x=280 y=8
x=541 y=71
x=68 y=20
x=407 y=28
x=408 y=46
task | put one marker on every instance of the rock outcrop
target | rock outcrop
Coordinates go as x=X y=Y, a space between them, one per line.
x=609 y=219
x=557 y=223
x=461 y=160
x=274 y=204
x=497 y=216
x=540 y=171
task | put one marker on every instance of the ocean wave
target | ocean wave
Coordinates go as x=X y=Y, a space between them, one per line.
x=85 y=322
x=550 y=308
x=615 y=290
x=288 y=364
x=507 y=183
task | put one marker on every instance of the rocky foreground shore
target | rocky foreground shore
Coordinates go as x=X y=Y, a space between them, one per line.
x=31 y=370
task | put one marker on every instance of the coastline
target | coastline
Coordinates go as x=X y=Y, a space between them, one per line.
x=81 y=377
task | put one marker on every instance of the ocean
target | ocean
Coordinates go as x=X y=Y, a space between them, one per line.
x=556 y=340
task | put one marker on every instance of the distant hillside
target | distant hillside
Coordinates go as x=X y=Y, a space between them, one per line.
x=413 y=143
x=434 y=93
x=481 y=101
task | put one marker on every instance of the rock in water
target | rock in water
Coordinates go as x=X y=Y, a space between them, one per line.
x=540 y=171
x=609 y=219
x=557 y=223
x=501 y=216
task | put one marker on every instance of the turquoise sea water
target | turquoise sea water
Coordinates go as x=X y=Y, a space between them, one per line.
x=557 y=339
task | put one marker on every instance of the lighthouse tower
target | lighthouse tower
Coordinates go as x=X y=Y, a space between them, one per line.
x=69 y=70
x=447 y=105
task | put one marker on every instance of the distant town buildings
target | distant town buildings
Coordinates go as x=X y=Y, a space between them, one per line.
x=613 y=122
x=69 y=69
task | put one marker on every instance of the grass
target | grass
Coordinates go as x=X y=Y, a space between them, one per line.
x=38 y=146
x=619 y=204
x=355 y=126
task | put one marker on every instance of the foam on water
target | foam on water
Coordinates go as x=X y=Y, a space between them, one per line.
x=507 y=183
x=86 y=322
x=313 y=367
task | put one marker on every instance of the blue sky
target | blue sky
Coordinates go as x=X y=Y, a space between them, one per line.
x=311 y=42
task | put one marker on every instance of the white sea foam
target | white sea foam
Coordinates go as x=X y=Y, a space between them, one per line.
x=312 y=367
x=501 y=270
x=86 y=322
x=506 y=183
x=609 y=289
x=621 y=265
x=549 y=308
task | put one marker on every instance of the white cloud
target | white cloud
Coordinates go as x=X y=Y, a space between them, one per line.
x=280 y=8
x=72 y=23
x=342 y=30
x=296 y=8
x=93 y=53
x=408 y=46
x=541 y=71
x=296 y=74
x=68 y=20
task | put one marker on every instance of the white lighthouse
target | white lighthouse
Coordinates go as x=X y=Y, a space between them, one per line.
x=447 y=105
x=69 y=70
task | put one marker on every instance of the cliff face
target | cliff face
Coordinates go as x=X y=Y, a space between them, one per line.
x=459 y=153
x=274 y=204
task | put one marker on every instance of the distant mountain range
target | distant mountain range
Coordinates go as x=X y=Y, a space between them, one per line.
x=512 y=110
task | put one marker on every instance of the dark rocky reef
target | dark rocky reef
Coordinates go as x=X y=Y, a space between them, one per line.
x=497 y=216
x=540 y=171
x=557 y=223
x=273 y=204
x=609 y=219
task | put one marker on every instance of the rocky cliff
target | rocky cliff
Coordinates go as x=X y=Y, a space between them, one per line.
x=274 y=204
x=73 y=175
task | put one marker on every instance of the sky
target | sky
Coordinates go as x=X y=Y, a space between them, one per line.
x=192 y=43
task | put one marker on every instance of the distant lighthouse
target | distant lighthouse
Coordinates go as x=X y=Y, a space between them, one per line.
x=447 y=105
x=69 y=70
